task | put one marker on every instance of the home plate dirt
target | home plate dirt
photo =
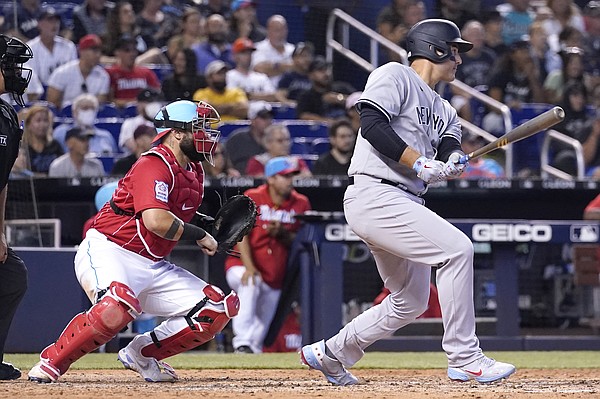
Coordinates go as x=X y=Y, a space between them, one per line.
x=288 y=384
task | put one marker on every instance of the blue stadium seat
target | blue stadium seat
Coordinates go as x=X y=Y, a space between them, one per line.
x=320 y=146
x=301 y=128
x=66 y=111
x=526 y=153
x=107 y=161
x=228 y=127
x=129 y=111
x=108 y=110
x=283 y=111
x=113 y=125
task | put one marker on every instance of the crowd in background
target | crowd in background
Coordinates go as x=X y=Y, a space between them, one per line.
x=525 y=51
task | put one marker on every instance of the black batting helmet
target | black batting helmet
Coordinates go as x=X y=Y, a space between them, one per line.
x=13 y=54
x=432 y=38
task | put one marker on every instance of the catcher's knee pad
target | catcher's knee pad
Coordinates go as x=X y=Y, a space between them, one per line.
x=89 y=330
x=206 y=319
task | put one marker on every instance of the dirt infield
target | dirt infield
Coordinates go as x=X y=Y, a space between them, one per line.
x=288 y=384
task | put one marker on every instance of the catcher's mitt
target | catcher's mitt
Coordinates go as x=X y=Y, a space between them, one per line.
x=233 y=221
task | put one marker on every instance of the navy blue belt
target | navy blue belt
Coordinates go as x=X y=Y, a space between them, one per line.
x=388 y=182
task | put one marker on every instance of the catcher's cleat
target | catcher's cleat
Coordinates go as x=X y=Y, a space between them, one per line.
x=150 y=369
x=484 y=370
x=314 y=356
x=43 y=372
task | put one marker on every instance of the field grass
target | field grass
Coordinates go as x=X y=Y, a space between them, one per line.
x=372 y=360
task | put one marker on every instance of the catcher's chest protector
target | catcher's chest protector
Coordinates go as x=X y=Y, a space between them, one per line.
x=209 y=317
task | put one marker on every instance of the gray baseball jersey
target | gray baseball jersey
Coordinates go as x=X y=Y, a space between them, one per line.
x=418 y=115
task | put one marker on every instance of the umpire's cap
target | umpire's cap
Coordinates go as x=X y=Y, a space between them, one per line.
x=432 y=39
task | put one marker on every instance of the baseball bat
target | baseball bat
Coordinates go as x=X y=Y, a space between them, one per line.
x=527 y=129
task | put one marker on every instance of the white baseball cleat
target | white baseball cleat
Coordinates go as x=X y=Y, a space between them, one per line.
x=482 y=370
x=150 y=369
x=43 y=372
x=314 y=356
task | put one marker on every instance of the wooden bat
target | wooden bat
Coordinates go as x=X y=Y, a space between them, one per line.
x=527 y=129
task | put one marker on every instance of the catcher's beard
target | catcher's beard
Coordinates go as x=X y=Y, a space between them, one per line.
x=189 y=149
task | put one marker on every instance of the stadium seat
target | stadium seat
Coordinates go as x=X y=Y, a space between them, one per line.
x=527 y=153
x=129 y=111
x=113 y=125
x=301 y=128
x=108 y=110
x=227 y=128
x=283 y=111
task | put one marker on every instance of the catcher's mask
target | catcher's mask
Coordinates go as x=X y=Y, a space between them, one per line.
x=13 y=54
x=200 y=119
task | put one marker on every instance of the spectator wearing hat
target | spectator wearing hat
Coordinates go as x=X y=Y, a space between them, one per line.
x=257 y=276
x=142 y=136
x=27 y=12
x=79 y=76
x=149 y=102
x=256 y=85
x=216 y=46
x=50 y=50
x=77 y=162
x=337 y=160
x=273 y=56
x=90 y=17
x=243 y=22
x=230 y=102
x=85 y=115
x=296 y=81
x=126 y=78
x=246 y=142
x=483 y=167
x=185 y=79
x=326 y=100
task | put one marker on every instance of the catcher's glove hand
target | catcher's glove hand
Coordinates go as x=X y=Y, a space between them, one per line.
x=233 y=221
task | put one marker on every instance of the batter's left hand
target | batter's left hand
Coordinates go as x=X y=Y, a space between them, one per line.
x=453 y=168
x=208 y=244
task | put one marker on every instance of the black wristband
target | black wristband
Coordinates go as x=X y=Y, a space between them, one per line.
x=191 y=232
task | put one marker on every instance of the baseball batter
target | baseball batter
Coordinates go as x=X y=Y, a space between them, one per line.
x=409 y=137
x=121 y=267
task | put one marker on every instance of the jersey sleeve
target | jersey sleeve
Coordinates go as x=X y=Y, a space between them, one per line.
x=385 y=89
x=150 y=184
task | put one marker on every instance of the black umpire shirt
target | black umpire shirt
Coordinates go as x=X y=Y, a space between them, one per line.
x=10 y=139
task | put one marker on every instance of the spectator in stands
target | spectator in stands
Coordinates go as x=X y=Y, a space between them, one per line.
x=515 y=80
x=326 y=100
x=85 y=113
x=246 y=142
x=257 y=276
x=337 y=160
x=126 y=78
x=211 y=7
x=563 y=13
x=492 y=22
x=278 y=143
x=193 y=26
x=142 y=136
x=90 y=17
x=455 y=11
x=296 y=80
x=256 y=85
x=546 y=59
x=120 y=22
x=591 y=44
x=185 y=80
x=517 y=15
x=273 y=56
x=50 y=50
x=571 y=71
x=243 y=23
x=38 y=147
x=149 y=102
x=156 y=26
x=475 y=69
x=483 y=167
x=81 y=76
x=581 y=126
x=216 y=46
x=77 y=162
x=27 y=20
x=390 y=23
x=222 y=164
x=230 y=102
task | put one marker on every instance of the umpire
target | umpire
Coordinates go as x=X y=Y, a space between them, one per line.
x=13 y=273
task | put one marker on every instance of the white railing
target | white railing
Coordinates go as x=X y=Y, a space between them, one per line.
x=549 y=170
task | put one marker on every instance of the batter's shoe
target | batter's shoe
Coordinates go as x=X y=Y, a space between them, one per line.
x=150 y=369
x=43 y=372
x=484 y=370
x=9 y=372
x=314 y=356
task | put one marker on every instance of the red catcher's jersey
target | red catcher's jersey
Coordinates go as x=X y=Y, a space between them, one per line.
x=269 y=255
x=156 y=180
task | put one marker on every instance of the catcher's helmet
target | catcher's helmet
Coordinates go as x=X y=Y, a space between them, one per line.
x=13 y=54
x=200 y=119
x=432 y=38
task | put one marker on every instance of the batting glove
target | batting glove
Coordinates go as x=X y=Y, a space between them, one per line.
x=452 y=168
x=429 y=170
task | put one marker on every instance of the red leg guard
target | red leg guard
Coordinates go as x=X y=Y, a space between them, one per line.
x=89 y=330
x=218 y=309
